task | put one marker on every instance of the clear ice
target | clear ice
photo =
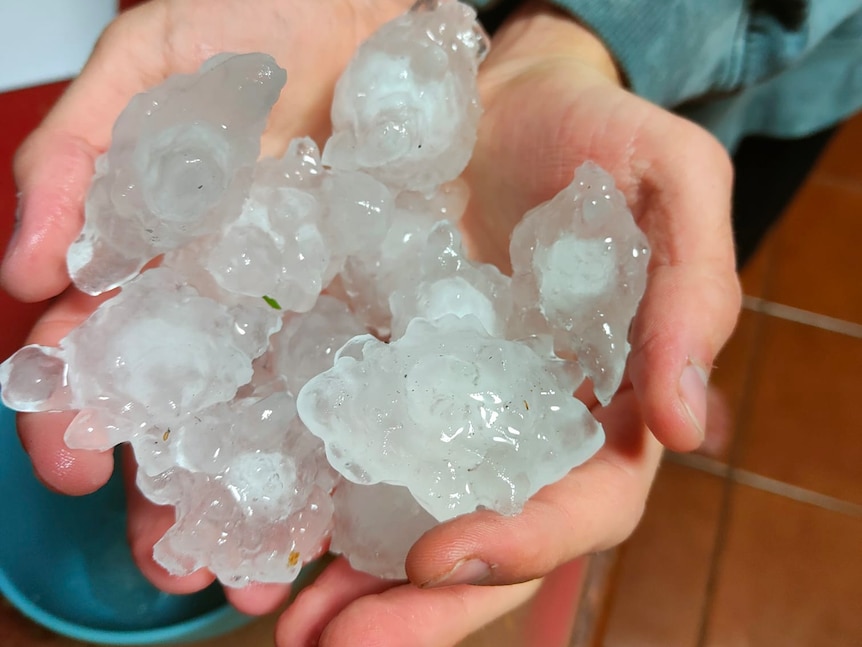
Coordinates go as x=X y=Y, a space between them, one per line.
x=406 y=109
x=460 y=418
x=314 y=361
x=579 y=271
x=179 y=166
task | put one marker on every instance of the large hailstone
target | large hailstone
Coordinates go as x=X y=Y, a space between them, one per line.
x=307 y=344
x=296 y=229
x=178 y=167
x=251 y=489
x=153 y=353
x=406 y=108
x=460 y=418
x=579 y=271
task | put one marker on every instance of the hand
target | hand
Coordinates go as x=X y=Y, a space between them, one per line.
x=553 y=99
x=311 y=40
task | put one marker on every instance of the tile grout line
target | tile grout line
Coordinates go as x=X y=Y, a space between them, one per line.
x=806 y=317
x=741 y=423
x=715 y=558
x=766 y=484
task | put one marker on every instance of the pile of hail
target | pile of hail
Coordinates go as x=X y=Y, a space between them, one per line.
x=314 y=361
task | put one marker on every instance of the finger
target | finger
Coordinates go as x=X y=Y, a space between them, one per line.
x=595 y=506
x=55 y=164
x=405 y=616
x=308 y=615
x=693 y=297
x=53 y=172
x=70 y=471
x=146 y=523
x=258 y=599
x=719 y=423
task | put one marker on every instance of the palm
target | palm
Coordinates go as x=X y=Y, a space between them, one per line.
x=542 y=121
x=311 y=40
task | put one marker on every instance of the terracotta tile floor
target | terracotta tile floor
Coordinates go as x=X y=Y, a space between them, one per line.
x=753 y=542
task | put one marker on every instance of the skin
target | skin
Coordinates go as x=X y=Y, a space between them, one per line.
x=553 y=98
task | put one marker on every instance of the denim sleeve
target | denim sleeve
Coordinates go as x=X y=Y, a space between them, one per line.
x=673 y=51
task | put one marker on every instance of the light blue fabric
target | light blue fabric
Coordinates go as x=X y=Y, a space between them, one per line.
x=734 y=70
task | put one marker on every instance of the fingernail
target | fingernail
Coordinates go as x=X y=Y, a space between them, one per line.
x=692 y=390
x=465 y=571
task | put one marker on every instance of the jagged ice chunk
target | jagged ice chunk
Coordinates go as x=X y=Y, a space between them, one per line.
x=156 y=351
x=179 y=166
x=406 y=108
x=447 y=282
x=247 y=471
x=579 y=271
x=374 y=527
x=460 y=418
x=370 y=276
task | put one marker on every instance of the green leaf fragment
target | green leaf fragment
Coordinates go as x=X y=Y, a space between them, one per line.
x=272 y=303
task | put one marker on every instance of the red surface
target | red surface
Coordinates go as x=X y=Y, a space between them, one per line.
x=555 y=607
x=20 y=112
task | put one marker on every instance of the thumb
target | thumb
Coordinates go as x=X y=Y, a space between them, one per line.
x=693 y=297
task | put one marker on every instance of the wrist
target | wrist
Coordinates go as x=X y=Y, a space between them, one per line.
x=540 y=31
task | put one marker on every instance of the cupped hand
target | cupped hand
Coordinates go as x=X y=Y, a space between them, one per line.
x=312 y=40
x=553 y=99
